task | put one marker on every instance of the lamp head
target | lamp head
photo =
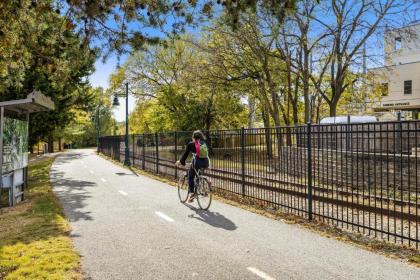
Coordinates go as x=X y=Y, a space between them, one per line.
x=116 y=102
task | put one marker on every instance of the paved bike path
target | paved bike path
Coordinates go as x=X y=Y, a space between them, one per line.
x=133 y=227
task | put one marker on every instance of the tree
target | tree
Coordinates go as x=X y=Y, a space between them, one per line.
x=297 y=44
x=124 y=24
x=246 y=60
x=47 y=55
x=88 y=122
x=354 y=22
x=165 y=77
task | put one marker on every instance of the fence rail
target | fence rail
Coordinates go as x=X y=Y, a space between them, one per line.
x=362 y=177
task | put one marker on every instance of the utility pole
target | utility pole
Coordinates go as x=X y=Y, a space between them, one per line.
x=97 y=127
x=127 y=149
x=117 y=103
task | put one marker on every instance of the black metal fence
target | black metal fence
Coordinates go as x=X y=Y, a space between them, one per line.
x=361 y=177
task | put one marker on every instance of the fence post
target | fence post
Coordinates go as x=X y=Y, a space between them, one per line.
x=309 y=148
x=176 y=154
x=157 y=152
x=134 y=151
x=119 y=148
x=399 y=141
x=243 y=160
x=144 y=152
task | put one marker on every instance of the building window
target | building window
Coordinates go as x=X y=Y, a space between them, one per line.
x=397 y=43
x=384 y=89
x=408 y=87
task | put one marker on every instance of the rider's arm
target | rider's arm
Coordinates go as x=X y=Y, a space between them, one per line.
x=187 y=151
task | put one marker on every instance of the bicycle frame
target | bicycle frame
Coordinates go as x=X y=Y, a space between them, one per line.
x=197 y=172
x=202 y=186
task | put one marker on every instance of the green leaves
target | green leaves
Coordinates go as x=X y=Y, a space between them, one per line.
x=118 y=22
x=41 y=50
x=87 y=122
x=175 y=90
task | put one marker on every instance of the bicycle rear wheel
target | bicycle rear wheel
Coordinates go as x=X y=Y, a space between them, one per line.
x=204 y=196
x=183 y=189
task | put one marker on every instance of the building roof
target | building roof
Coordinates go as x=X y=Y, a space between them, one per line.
x=411 y=24
x=34 y=102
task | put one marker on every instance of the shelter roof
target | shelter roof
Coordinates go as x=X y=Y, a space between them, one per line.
x=34 y=102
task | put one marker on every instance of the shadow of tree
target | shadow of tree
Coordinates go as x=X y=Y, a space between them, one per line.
x=214 y=219
x=123 y=174
x=71 y=192
x=68 y=157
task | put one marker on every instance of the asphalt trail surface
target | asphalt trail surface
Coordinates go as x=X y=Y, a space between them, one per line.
x=133 y=227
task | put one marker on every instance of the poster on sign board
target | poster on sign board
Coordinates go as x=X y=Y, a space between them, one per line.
x=15 y=144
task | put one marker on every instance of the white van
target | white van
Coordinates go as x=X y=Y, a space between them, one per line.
x=349 y=119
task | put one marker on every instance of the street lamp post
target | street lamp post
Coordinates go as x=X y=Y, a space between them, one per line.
x=97 y=128
x=116 y=103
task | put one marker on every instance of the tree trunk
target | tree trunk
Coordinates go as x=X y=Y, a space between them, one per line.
x=336 y=94
x=50 y=142
x=268 y=142
x=305 y=83
x=208 y=122
x=59 y=144
x=333 y=108
x=295 y=102
x=318 y=109
x=209 y=142
x=251 y=108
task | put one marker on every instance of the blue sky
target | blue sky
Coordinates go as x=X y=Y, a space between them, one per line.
x=100 y=79
x=103 y=70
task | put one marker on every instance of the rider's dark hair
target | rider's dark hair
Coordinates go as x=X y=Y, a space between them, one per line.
x=198 y=135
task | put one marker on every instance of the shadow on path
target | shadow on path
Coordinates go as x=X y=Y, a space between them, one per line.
x=128 y=174
x=214 y=219
x=72 y=192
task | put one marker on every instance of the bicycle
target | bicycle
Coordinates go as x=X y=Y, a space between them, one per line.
x=202 y=188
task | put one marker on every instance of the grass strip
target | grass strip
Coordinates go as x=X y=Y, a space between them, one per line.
x=34 y=235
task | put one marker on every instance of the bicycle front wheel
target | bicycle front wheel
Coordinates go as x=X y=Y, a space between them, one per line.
x=204 y=196
x=183 y=189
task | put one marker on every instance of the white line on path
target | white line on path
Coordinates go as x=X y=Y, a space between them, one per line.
x=165 y=217
x=260 y=273
x=91 y=172
x=103 y=180
x=123 y=192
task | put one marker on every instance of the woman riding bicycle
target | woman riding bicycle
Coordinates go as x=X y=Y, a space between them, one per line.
x=198 y=147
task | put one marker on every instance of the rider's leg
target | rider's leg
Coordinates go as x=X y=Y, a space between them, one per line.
x=191 y=175
x=196 y=165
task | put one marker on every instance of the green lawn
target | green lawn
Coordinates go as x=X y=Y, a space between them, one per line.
x=34 y=235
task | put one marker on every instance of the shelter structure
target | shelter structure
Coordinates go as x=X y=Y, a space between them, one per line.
x=14 y=124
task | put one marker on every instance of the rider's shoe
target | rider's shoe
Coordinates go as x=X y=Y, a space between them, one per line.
x=191 y=197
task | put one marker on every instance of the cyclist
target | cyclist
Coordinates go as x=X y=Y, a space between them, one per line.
x=197 y=147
